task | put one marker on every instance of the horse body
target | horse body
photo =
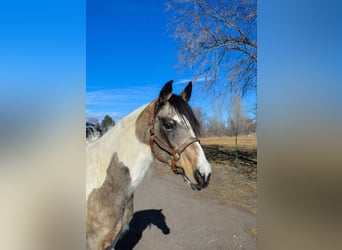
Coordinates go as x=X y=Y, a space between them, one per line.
x=115 y=164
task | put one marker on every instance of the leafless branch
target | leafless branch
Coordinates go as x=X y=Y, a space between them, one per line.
x=218 y=41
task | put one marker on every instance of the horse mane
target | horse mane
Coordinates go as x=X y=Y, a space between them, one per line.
x=183 y=108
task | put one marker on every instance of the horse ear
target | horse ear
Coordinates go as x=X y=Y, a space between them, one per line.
x=186 y=94
x=166 y=92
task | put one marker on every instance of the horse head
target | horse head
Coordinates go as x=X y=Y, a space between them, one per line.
x=174 y=132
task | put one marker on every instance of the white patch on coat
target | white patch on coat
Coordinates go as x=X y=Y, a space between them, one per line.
x=121 y=139
x=202 y=163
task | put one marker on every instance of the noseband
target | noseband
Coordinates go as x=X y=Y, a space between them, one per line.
x=174 y=153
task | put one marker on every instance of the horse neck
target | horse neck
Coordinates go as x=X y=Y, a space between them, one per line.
x=131 y=151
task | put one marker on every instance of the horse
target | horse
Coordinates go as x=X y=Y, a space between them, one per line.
x=165 y=129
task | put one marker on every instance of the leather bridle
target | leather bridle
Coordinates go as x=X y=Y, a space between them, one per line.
x=174 y=153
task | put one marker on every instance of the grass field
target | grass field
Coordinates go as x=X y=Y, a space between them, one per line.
x=243 y=141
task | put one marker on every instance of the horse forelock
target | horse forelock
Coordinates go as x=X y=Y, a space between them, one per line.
x=184 y=110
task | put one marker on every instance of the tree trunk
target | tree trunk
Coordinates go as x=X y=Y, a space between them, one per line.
x=236 y=148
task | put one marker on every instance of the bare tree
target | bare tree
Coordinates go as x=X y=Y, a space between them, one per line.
x=201 y=117
x=216 y=127
x=238 y=123
x=217 y=41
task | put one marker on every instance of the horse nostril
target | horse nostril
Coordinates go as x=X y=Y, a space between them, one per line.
x=200 y=178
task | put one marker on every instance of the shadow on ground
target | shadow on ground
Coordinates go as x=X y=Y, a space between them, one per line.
x=140 y=221
x=245 y=164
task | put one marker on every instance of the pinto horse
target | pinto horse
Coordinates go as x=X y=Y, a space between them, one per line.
x=165 y=129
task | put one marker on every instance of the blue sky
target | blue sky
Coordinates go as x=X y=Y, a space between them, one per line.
x=42 y=60
x=130 y=56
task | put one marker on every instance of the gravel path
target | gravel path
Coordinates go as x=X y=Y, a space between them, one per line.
x=169 y=215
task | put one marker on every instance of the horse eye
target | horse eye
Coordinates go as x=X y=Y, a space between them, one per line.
x=169 y=124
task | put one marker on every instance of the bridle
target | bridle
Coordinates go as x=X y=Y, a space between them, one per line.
x=174 y=153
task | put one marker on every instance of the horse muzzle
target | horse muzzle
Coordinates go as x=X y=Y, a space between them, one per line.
x=202 y=179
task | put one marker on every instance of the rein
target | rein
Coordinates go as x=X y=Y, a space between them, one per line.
x=175 y=153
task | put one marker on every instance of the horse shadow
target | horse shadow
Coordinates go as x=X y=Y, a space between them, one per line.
x=140 y=221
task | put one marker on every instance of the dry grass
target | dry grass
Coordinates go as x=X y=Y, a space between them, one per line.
x=234 y=188
x=253 y=231
x=243 y=141
x=235 y=182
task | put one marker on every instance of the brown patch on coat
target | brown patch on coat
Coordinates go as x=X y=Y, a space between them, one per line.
x=188 y=162
x=142 y=125
x=110 y=207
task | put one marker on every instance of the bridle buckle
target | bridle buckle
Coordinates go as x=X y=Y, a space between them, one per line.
x=176 y=156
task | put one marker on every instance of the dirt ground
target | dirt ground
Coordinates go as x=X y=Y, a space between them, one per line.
x=169 y=215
